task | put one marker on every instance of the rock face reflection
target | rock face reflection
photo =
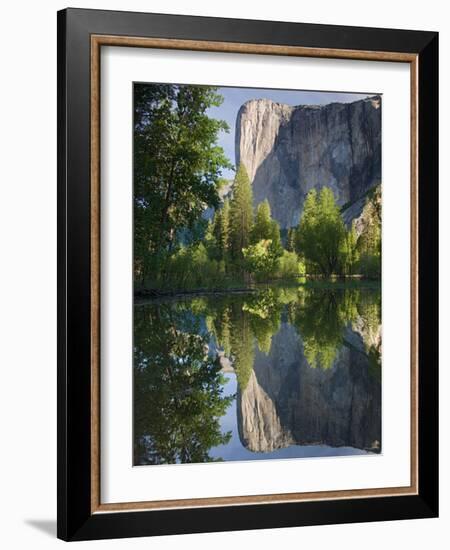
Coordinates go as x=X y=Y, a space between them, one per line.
x=286 y=402
x=304 y=366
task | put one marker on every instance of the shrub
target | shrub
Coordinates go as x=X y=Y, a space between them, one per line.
x=370 y=265
x=191 y=267
x=290 y=266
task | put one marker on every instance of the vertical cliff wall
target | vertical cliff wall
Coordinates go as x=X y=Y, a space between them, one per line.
x=289 y=150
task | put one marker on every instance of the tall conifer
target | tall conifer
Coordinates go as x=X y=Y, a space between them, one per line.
x=241 y=213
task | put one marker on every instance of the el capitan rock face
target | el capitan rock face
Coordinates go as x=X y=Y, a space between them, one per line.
x=289 y=150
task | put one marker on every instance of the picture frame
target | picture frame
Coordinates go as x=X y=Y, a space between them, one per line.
x=81 y=36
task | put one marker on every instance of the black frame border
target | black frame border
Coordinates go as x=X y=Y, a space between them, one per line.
x=75 y=521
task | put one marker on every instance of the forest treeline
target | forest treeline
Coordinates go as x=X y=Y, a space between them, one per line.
x=177 y=176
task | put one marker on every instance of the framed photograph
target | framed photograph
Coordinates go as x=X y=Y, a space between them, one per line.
x=247 y=274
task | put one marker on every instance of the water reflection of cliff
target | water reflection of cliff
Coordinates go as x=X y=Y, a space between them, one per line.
x=307 y=364
x=286 y=402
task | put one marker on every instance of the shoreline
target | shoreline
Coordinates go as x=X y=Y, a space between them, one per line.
x=145 y=295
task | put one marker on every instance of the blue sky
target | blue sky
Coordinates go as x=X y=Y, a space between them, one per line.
x=235 y=97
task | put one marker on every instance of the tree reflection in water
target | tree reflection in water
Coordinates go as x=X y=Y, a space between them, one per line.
x=180 y=347
x=178 y=389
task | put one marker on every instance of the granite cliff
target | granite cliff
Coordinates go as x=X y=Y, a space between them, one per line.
x=289 y=150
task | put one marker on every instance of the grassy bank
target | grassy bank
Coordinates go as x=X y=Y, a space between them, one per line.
x=238 y=286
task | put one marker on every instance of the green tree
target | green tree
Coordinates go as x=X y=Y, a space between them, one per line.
x=210 y=241
x=222 y=230
x=321 y=231
x=275 y=236
x=369 y=242
x=177 y=165
x=263 y=259
x=191 y=267
x=304 y=232
x=264 y=311
x=241 y=214
x=178 y=389
x=349 y=252
x=242 y=344
x=222 y=328
x=321 y=320
x=265 y=228
x=290 y=266
x=262 y=227
x=290 y=240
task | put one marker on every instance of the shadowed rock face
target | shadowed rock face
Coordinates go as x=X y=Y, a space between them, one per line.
x=289 y=150
x=287 y=402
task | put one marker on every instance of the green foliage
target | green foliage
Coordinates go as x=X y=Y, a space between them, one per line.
x=290 y=239
x=349 y=252
x=177 y=174
x=190 y=267
x=370 y=265
x=369 y=242
x=222 y=230
x=263 y=228
x=320 y=315
x=321 y=320
x=321 y=232
x=261 y=259
x=265 y=317
x=178 y=391
x=178 y=383
x=242 y=347
x=275 y=236
x=263 y=254
x=240 y=322
x=290 y=266
x=241 y=214
x=177 y=165
x=210 y=242
x=221 y=326
x=304 y=232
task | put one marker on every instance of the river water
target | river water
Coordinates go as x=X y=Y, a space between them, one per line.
x=282 y=372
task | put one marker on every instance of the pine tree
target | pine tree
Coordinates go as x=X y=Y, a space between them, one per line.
x=290 y=241
x=241 y=214
x=304 y=232
x=262 y=228
x=242 y=345
x=276 y=247
x=222 y=230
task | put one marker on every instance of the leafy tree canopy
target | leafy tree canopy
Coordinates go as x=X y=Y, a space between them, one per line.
x=177 y=165
x=321 y=231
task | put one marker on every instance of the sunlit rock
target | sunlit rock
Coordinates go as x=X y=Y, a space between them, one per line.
x=289 y=150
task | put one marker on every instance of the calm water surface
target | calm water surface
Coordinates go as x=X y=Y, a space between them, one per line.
x=278 y=373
